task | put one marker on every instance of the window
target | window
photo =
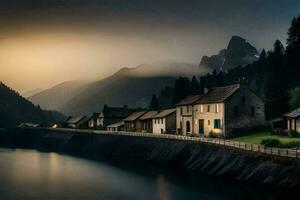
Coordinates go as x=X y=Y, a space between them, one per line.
x=181 y=110
x=208 y=108
x=244 y=99
x=188 y=127
x=236 y=111
x=208 y=122
x=158 y=120
x=252 y=111
x=217 y=108
x=201 y=108
x=217 y=123
x=187 y=109
x=162 y=120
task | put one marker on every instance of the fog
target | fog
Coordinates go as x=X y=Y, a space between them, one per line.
x=43 y=43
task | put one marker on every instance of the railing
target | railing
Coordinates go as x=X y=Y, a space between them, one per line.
x=284 y=152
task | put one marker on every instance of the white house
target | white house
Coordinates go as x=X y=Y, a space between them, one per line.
x=164 y=122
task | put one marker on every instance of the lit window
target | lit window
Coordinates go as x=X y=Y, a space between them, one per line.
x=217 y=108
x=201 y=108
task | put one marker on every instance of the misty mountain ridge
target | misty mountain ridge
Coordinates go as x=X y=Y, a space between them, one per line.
x=164 y=69
x=134 y=86
x=131 y=86
x=239 y=52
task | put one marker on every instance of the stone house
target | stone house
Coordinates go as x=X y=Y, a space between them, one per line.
x=94 y=121
x=222 y=111
x=116 y=127
x=80 y=122
x=184 y=114
x=132 y=122
x=164 y=122
x=146 y=121
x=111 y=115
x=293 y=120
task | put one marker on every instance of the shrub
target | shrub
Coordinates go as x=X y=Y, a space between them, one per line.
x=212 y=134
x=293 y=144
x=271 y=142
x=293 y=134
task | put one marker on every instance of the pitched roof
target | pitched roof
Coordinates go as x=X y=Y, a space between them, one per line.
x=118 y=112
x=188 y=100
x=148 y=115
x=75 y=120
x=293 y=114
x=218 y=94
x=134 y=116
x=116 y=124
x=165 y=113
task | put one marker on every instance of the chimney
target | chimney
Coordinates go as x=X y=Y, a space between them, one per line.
x=205 y=90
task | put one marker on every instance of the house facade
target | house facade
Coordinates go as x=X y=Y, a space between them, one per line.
x=222 y=111
x=292 y=120
x=132 y=122
x=184 y=114
x=116 y=127
x=164 y=122
x=94 y=121
x=147 y=122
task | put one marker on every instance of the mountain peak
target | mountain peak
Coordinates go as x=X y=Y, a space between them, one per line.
x=238 y=52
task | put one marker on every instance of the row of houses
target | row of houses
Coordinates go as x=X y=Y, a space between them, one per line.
x=220 y=111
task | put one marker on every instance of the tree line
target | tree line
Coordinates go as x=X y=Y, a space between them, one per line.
x=275 y=77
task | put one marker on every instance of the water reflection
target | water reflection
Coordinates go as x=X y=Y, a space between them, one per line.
x=26 y=174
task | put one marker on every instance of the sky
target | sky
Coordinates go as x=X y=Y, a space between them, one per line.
x=46 y=42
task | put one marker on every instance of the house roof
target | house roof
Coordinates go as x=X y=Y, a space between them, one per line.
x=148 y=115
x=134 y=116
x=118 y=124
x=118 y=112
x=293 y=114
x=218 y=94
x=75 y=120
x=165 y=113
x=188 y=100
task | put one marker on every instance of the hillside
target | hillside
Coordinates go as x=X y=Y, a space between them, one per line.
x=131 y=86
x=14 y=109
x=55 y=97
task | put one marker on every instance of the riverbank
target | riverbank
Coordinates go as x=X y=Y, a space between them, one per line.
x=214 y=160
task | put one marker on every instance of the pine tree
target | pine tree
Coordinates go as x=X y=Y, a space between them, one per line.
x=154 y=103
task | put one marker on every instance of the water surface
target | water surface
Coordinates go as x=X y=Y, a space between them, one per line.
x=29 y=174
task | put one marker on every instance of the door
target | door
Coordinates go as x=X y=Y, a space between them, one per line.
x=201 y=126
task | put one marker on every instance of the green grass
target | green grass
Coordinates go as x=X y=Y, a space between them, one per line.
x=257 y=137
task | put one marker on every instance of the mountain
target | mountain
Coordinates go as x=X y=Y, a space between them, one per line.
x=31 y=92
x=55 y=97
x=129 y=86
x=238 y=52
x=15 y=109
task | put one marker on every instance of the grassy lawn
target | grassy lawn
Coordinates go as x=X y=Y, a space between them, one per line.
x=257 y=137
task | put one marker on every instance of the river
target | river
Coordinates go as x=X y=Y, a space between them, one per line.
x=30 y=174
